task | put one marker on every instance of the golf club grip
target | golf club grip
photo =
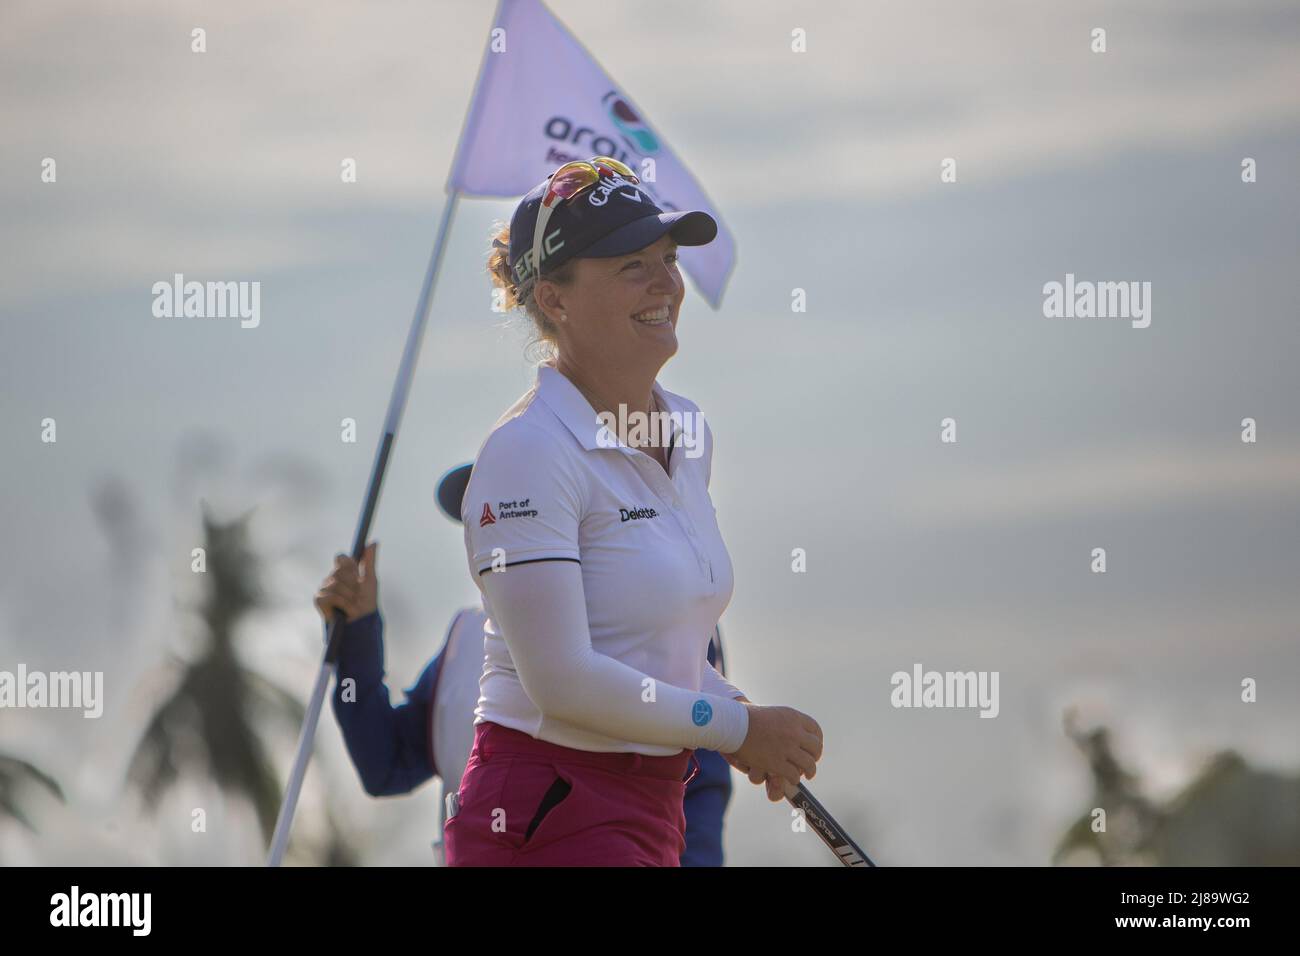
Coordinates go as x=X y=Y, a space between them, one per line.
x=832 y=834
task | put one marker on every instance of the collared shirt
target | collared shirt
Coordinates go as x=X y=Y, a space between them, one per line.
x=550 y=483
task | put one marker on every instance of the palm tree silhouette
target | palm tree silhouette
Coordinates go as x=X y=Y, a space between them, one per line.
x=1229 y=814
x=1131 y=817
x=220 y=703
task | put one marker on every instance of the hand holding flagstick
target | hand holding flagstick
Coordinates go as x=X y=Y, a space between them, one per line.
x=351 y=587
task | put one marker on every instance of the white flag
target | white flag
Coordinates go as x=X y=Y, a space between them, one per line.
x=542 y=101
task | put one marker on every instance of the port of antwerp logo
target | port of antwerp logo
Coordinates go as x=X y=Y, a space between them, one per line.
x=506 y=509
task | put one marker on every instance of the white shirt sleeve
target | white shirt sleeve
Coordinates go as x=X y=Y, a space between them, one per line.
x=523 y=502
x=715 y=683
x=540 y=610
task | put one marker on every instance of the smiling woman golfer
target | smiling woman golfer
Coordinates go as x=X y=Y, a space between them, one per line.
x=602 y=569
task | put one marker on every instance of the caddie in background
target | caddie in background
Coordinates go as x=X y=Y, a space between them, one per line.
x=398 y=748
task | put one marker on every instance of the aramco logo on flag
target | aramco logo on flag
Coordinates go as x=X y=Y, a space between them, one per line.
x=581 y=141
x=571 y=139
x=540 y=90
x=634 y=130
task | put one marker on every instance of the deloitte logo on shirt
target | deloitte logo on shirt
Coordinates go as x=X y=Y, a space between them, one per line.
x=701 y=713
x=635 y=513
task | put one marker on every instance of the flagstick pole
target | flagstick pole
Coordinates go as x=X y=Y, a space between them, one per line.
x=333 y=639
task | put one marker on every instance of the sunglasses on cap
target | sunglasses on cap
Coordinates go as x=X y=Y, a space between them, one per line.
x=568 y=181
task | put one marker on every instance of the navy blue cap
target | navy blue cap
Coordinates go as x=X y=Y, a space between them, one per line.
x=613 y=218
x=451 y=490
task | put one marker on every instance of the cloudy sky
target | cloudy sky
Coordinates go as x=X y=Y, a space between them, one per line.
x=924 y=302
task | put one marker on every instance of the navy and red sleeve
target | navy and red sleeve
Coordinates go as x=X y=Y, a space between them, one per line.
x=389 y=746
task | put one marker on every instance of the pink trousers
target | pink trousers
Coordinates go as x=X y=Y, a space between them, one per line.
x=525 y=802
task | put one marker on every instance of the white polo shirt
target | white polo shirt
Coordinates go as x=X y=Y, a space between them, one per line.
x=552 y=483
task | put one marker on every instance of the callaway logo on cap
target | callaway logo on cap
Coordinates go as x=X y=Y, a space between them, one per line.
x=615 y=217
